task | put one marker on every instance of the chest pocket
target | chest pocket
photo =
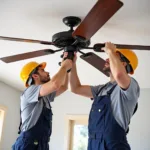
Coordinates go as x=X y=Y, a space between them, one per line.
x=98 y=111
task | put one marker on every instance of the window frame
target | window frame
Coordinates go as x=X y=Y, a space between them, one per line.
x=70 y=121
x=3 y=110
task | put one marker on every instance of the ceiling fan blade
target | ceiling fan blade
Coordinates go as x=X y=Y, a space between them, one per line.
x=97 y=17
x=136 y=47
x=97 y=47
x=28 y=55
x=25 y=40
x=95 y=61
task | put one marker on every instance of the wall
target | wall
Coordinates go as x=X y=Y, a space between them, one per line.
x=9 y=98
x=69 y=103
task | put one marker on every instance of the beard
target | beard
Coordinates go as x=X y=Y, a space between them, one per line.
x=107 y=70
x=44 y=80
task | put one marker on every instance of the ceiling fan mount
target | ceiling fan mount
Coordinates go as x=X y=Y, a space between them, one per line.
x=71 y=21
x=65 y=38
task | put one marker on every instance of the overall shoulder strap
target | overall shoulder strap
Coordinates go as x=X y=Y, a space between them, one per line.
x=49 y=104
x=20 y=123
x=135 y=109
x=102 y=88
x=111 y=90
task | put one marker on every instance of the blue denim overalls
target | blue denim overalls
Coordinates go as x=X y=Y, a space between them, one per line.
x=38 y=137
x=104 y=131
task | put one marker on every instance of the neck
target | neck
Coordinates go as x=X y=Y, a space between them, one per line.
x=111 y=78
x=38 y=83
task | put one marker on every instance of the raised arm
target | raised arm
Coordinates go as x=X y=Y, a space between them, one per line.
x=58 y=80
x=117 y=67
x=76 y=87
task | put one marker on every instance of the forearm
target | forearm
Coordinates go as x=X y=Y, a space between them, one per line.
x=65 y=83
x=64 y=87
x=74 y=80
x=59 y=77
x=116 y=66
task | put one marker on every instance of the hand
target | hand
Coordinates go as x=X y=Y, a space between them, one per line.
x=67 y=64
x=65 y=55
x=74 y=59
x=109 y=47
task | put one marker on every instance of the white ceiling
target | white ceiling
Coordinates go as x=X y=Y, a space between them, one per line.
x=40 y=19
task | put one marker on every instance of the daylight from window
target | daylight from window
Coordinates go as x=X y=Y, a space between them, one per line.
x=80 y=137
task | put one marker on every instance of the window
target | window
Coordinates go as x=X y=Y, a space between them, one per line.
x=2 y=114
x=77 y=132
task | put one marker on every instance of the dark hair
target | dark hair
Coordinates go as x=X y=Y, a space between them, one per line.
x=124 y=59
x=35 y=71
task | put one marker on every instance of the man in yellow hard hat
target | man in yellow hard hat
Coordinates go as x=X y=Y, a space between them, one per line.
x=114 y=103
x=36 y=114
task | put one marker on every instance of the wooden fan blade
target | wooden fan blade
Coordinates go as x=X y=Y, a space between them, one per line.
x=136 y=47
x=25 y=40
x=28 y=55
x=97 y=17
x=95 y=61
x=97 y=47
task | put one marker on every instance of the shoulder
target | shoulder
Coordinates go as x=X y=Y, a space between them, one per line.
x=31 y=90
x=132 y=92
x=134 y=85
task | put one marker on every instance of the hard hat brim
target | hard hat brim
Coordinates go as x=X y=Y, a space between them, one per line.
x=43 y=65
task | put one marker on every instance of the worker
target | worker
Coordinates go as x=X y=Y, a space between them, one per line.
x=36 y=113
x=113 y=103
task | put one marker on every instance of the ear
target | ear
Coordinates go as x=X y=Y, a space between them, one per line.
x=35 y=76
x=124 y=63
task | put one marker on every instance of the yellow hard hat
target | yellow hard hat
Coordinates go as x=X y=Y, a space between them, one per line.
x=131 y=56
x=28 y=68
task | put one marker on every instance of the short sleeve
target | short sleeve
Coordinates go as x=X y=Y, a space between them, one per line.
x=31 y=94
x=95 y=90
x=133 y=91
x=51 y=96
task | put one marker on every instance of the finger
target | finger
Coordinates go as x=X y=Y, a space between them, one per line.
x=103 y=48
x=106 y=44
x=65 y=56
x=75 y=56
x=65 y=53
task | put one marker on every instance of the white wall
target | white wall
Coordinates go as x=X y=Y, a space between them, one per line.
x=9 y=98
x=69 y=103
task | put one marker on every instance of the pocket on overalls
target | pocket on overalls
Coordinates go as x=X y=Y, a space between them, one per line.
x=30 y=144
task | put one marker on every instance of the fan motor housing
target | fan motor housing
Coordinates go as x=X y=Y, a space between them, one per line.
x=63 y=39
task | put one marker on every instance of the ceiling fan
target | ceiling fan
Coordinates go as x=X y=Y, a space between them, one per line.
x=79 y=39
